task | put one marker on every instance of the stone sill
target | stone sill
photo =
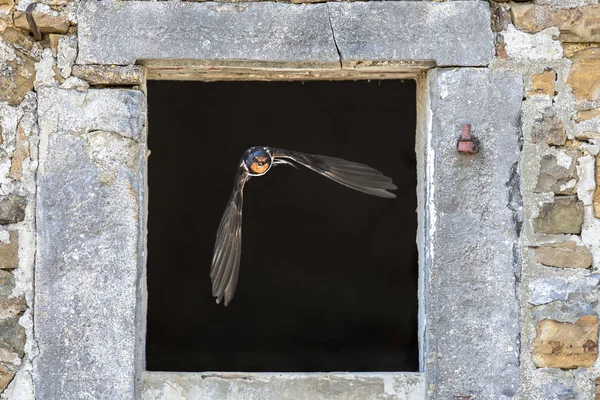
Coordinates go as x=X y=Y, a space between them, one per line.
x=281 y=386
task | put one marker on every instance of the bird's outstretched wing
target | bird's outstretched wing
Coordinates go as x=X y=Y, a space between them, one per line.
x=356 y=176
x=228 y=245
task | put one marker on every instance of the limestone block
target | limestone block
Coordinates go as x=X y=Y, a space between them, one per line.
x=547 y=290
x=566 y=345
x=9 y=252
x=472 y=320
x=563 y=216
x=12 y=209
x=580 y=24
x=7 y=283
x=548 y=129
x=558 y=173
x=586 y=115
x=89 y=266
x=563 y=255
x=584 y=77
x=450 y=33
x=12 y=335
x=249 y=33
x=47 y=20
x=11 y=307
x=543 y=84
x=17 y=74
x=128 y=75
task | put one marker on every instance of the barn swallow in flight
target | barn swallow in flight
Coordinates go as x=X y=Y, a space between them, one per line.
x=257 y=161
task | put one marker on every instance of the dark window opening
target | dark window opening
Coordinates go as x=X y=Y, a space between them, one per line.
x=328 y=278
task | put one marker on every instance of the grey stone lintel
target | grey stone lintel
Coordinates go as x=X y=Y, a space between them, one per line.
x=180 y=39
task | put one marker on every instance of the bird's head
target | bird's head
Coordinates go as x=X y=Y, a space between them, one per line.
x=257 y=161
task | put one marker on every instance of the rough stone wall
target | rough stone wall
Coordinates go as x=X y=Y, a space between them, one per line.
x=27 y=66
x=555 y=44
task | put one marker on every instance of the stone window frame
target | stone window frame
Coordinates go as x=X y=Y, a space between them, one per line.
x=463 y=322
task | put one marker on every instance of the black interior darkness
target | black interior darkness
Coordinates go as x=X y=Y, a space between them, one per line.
x=328 y=278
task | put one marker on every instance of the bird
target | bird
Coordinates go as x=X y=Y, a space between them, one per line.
x=257 y=161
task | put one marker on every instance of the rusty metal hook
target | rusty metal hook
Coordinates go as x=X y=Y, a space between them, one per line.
x=37 y=35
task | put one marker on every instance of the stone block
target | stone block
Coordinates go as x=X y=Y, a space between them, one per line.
x=7 y=283
x=9 y=363
x=90 y=263
x=11 y=307
x=584 y=77
x=449 y=33
x=558 y=173
x=579 y=24
x=547 y=128
x=566 y=345
x=278 y=386
x=547 y=290
x=121 y=33
x=563 y=216
x=586 y=115
x=307 y=35
x=18 y=72
x=47 y=20
x=12 y=209
x=543 y=84
x=471 y=320
x=12 y=335
x=9 y=252
x=122 y=111
x=128 y=75
x=563 y=255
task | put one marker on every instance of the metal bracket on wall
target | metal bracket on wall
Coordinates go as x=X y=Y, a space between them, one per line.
x=467 y=144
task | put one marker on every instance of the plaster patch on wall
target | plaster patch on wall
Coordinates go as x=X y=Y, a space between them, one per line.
x=539 y=46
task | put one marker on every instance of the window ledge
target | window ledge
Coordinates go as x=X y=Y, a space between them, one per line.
x=280 y=386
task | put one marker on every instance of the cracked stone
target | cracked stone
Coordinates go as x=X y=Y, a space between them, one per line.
x=558 y=175
x=7 y=283
x=563 y=216
x=566 y=345
x=584 y=77
x=12 y=209
x=128 y=75
x=543 y=84
x=580 y=24
x=547 y=128
x=47 y=20
x=563 y=255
